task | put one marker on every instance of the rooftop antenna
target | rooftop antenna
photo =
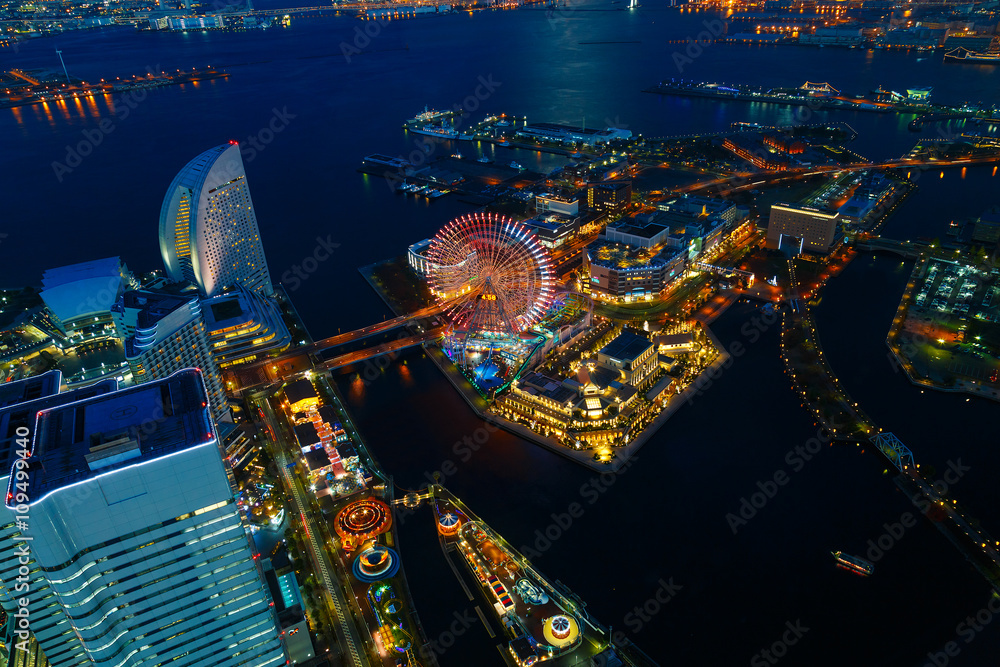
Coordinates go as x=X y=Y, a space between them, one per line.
x=59 y=53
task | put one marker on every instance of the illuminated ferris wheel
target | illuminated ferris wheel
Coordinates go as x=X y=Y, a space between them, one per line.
x=493 y=272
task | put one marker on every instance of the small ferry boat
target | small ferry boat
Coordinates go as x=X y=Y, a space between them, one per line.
x=853 y=564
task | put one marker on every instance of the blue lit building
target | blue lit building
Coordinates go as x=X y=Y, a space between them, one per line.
x=79 y=297
x=164 y=333
x=138 y=553
x=20 y=402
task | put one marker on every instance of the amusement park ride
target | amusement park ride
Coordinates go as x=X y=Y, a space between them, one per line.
x=500 y=282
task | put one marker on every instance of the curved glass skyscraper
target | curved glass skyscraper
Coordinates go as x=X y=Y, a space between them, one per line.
x=208 y=229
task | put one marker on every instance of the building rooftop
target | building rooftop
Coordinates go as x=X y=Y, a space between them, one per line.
x=599 y=376
x=536 y=383
x=83 y=289
x=675 y=339
x=658 y=388
x=317 y=459
x=306 y=434
x=328 y=414
x=523 y=650
x=152 y=308
x=552 y=222
x=226 y=310
x=300 y=390
x=623 y=391
x=646 y=229
x=28 y=389
x=620 y=256
x=611 y=185
x=800 y=208
x=36 y=394
x=109 y=267
x=617 y=255
x=627 y=346
x=566 y=198
x=697 y=204
x=80 y=440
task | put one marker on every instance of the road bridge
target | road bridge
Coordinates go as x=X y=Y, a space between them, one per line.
x=382 y=349
x=740 y=182
x=904 y=249
x=975 y=544
x=724 y=271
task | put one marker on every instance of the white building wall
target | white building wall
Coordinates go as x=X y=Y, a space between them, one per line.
x=151 y=564
x=208 y=211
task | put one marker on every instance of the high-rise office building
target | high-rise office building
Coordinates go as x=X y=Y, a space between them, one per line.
x=163 y=333
x=208 y=228
x=20 y=402
x=137 y=549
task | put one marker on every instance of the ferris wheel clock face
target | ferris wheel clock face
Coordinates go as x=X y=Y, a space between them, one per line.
x=496 y=276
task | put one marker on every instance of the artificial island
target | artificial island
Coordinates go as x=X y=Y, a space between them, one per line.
x=573 y=309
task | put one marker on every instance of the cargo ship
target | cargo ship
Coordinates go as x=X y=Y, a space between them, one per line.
x=853 y=564
x=964 y=55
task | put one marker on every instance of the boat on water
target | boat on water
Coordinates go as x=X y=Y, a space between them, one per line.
x=858 y=566
x=964 y=55
x=503 y=142
x=378 y=159
x=434 y=194
x=515 y=165
x=484 y=160
x=457 y=156
x=428 y=116
x=441 y=130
